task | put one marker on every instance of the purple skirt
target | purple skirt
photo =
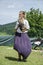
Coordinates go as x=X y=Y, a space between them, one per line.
x=22 y=44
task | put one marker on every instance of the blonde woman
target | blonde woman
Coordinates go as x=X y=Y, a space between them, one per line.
x=22 y=43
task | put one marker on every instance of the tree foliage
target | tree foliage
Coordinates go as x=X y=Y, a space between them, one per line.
x=35 y=19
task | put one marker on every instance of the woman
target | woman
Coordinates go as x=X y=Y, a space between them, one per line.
x=22 y=42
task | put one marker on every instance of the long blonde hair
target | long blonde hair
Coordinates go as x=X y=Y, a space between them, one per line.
x=24 y=13
x=24 y=16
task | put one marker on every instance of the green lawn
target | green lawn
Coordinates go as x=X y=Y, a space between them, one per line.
x=3 y=33
x=10 y=56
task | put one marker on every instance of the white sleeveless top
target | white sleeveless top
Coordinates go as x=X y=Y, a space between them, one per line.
x=26 y=24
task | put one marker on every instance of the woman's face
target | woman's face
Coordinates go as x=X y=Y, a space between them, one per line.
x=20 y=15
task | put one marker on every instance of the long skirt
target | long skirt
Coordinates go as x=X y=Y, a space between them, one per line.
x=22 y=44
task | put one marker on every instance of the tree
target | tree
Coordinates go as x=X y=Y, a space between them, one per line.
x=35 y=19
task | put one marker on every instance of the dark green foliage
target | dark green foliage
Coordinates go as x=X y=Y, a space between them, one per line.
x=8 y=28
x=35 y=18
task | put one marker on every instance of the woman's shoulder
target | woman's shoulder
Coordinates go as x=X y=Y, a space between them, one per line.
x=26 y=21
x=17 y=22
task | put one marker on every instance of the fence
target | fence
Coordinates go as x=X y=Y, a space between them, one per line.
x=6 y=40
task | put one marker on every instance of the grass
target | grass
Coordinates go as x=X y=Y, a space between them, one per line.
x=10 y=56
x=3 y=33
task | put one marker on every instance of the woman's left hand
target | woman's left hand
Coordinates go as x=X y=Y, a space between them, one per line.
x=24 y=29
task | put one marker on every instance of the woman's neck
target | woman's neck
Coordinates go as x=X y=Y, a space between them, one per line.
x=21 y=20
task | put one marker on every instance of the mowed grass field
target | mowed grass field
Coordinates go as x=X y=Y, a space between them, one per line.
x=9 y=56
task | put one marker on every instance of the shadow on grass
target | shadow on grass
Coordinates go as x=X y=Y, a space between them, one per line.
x=11 y=58
x=14 y=59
